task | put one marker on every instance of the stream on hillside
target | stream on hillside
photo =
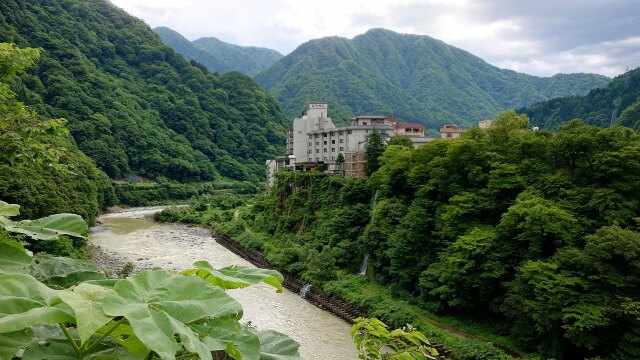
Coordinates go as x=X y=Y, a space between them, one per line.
x=129 y=237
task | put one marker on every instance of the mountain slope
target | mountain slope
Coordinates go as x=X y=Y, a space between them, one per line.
x=415 y=77
x=183 y=46
x=132 y=103
x=246 y=59
x=219 y=56
x=618 y=102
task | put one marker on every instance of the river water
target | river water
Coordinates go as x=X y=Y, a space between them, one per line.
x=129 y=237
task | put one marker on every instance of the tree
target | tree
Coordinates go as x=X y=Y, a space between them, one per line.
x=375 y=149
x=24 y=137
x=401 y=140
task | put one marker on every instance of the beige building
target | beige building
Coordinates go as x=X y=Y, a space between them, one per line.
x=314 y=139
x=452 y=131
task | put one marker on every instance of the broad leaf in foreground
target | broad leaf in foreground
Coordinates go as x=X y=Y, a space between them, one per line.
x=158 y=305
x=277 y=346
x=64 y=272
x=25 y=302
x=233 y=277
x=124 y=336
x=9 y=210
x=50 y=227
x=86 y=302
x=11 y=342
x=13 y=258
x=61 y=349
x=230 y=336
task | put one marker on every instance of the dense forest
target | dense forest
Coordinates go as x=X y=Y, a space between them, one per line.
x=534 y=232
x=617 y=103
x=40 y=165
x=414 y=77
x=219 y=56
x=132 y=104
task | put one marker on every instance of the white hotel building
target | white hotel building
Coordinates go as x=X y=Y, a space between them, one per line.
x=315 y=139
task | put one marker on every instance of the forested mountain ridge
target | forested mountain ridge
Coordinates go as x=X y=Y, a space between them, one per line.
x=415 y=77
x=132 y=103
x=219 y=56
x=617 y=103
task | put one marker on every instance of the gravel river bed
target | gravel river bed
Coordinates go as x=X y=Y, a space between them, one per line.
x=126 y=236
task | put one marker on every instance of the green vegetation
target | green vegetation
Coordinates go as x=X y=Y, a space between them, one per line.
x=132 y=104
x=219 y=56
x=59 y=308
x=371 y=336
x=531 y=233
x=40 y=165
x=373 y=151
x=417 y=78
x=167 y=192
x=618 y=103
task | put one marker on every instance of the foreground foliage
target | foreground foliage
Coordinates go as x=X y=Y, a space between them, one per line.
x=371 y=336
x=59 y=308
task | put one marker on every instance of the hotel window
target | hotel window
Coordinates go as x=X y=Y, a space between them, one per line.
x=333 y=149
x=309 y=137
x=317 y=142
x=333 y=141
x=349 y=131
x=341 y=148
x=310 y=151
x=341 y=141
x=324 y=135
x=325 y=149
x=317 y=151
x=341 y=132
x=310 y=144
x=325 y=142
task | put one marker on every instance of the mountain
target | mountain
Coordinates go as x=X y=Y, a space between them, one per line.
x=219 y=56
x=415 y=77
x=132 y=103
x=183 y=46
x=617 y=103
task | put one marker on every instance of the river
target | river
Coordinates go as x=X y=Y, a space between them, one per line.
x=130 y=237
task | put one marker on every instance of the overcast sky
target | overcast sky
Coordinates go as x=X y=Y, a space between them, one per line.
x=539 y=37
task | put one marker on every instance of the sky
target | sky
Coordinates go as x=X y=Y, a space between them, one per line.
x=537 y=37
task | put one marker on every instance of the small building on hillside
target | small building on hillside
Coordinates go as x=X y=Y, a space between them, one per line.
x=452 y=131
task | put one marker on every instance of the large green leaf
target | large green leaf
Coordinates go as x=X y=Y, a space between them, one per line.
x=64 y=272
x=13 y=258
x=229 y=335
x=50 y=227
x=11 y=342
x=125 y=337
x=9 y=210
x=277 y=346
x=158 y=304
x=25 y=302
x=61 y=349
x=233 y=277
x=86 y=302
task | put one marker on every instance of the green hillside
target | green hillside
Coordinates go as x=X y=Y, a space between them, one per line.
x=132 y=103
x=617 y=103
x=249 y=60
x=415 y=77
x=219 y=56
x=183 y=46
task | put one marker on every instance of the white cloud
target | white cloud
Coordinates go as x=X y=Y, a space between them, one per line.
x=541 y=38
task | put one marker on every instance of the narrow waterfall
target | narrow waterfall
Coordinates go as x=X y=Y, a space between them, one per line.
x=305 y=290
x=364 y=265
